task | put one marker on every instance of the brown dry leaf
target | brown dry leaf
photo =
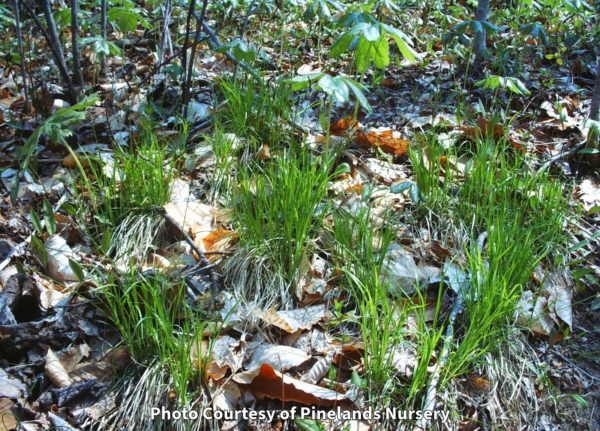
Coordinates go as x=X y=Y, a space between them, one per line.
x=350 y=356
x=319 y=370
x=293 y=320
x=227 y=354
x=197 y=219
x=341 y=126
x=55 y=371
x=86 y=371
x=386 y=139
x=281 y=358
x=264 y=153
x=270 y=383
x=556 y=288
x=225 y=394
x=71 y=358
x=43 y=102
x=532 y=314
x=400 y=269
x=218 y=240
x=9 y=415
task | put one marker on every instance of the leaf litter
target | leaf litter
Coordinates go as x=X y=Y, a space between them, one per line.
x=67 y=312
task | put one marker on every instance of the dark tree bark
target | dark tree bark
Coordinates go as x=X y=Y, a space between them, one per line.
x=188 y=85
x=481 y=14
x=22 y=55
x=56 y=48
x=74 y=33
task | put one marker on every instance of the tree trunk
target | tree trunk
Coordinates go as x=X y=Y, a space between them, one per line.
x=481 y=14
x=56 y=48
x=74 y=33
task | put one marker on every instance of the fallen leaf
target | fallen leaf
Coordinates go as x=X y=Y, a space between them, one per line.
x=386 y=139
x=293 y=320
x=281 y=358
x=270 y=383
x=55 y=370
x=59 y=254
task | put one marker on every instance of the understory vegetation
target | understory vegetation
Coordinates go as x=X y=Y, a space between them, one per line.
x=263 y=206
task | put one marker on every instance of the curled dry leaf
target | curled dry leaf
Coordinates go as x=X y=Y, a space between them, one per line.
x=386 y=139
x=225 y=394
x=56 y=371
x=294 y=320
x=270 y=383
x=197 y=219
x=281 y=358
x=226 y=355
x=399 y=269
x=59 y=254
x=319 y=370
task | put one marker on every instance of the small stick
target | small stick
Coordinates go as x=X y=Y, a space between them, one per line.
x=201 y=255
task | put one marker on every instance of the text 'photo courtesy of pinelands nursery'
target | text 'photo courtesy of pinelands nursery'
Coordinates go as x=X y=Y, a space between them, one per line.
x=301 y=215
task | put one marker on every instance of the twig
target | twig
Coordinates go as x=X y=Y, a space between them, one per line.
x=213 y=36
x=554 y=159
x=201 y=255
x=188 y=86
x=432 y=390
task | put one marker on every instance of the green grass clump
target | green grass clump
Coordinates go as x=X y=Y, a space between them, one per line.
x=157 y=326
x=514 y=217
x=278 y=208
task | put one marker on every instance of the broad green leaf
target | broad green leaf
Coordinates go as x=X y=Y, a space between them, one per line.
x=341 y=44
x=334 y=87
x=77 y=270
x=476 y=26
x=358 y=90
x=596 y=303
x=362 y=55
x=343 y=168
x=462 y=27
x=381 y=53
x=366 y=192
x=127 y=20
x=69 y=208
x=49 y=218
x=588 y=151
x=403 y=186
x=35 y=221
x=490 y=27
x=39 y=250
x=371 y=32
x=403 y=42
x=580 y=273
x=103 y=219
x=308 y=424
x=414 y=193
x=302 y=82
x=105 y=241
x=593 y=210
